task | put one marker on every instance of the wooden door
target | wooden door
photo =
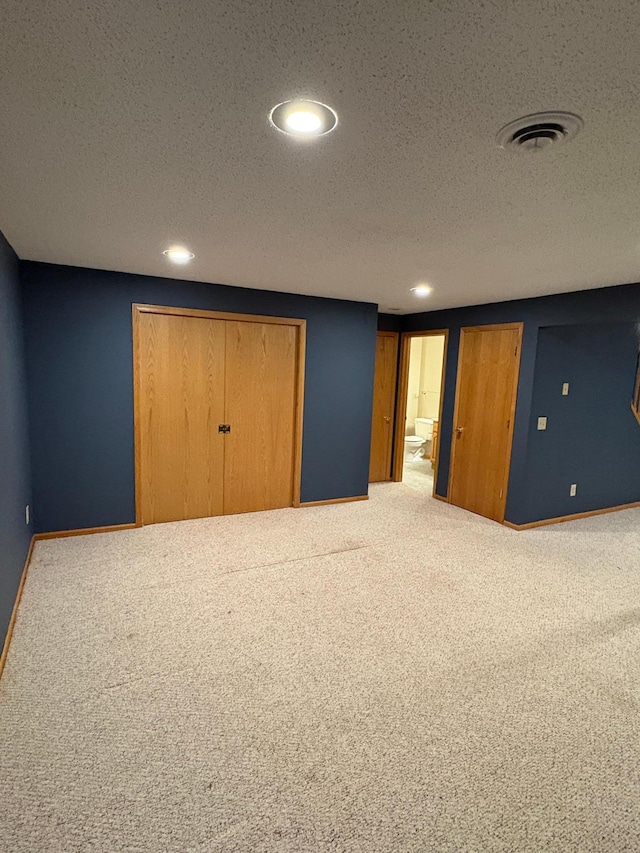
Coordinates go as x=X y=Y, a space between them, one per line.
x=488 y=368
x=384 y=394
x=180 y=402
x=260 y=378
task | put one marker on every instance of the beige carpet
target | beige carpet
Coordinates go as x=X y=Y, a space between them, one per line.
x=418 y=473
x=391 y=675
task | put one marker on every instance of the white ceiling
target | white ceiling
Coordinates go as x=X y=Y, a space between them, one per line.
x=128 y=125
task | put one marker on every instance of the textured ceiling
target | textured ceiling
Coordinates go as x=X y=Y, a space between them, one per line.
x=128 y=126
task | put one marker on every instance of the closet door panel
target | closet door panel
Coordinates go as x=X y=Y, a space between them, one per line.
x=260 y=368
x=487 y=387
x=181 y=403
x=384 y=397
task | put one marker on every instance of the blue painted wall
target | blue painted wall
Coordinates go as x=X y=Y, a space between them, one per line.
x=389 y=322
x=600 y=306
x=79 y=367
x=79 y=362
x=592 y=437
x=15 y=491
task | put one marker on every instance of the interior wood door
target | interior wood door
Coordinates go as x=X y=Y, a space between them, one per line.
x=180 y=404
x=488 y=368
x=384 y=395
x=260 y=378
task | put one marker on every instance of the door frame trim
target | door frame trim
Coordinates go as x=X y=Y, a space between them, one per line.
x=491 y=327
x=396 y=335
x=401 y=403
x=138 y=308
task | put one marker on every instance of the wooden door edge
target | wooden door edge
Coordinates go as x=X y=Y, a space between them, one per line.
x=137 y=425
x=301 y=349
x=402 y=392
x=207 y=314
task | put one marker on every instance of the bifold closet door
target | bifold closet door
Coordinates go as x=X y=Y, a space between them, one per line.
x=260 y=381
x=181 y=371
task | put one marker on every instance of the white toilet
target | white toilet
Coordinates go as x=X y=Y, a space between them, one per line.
x=424 y=427
x=414 y=444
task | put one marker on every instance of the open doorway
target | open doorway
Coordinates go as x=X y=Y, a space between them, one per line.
x=419 y=406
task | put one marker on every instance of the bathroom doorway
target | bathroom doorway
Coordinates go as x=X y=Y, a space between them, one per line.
x=419 y=408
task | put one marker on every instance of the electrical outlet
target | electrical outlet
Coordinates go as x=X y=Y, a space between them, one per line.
x=27 y=513
x=565 y=389
x=542 y=423
x=573 y=490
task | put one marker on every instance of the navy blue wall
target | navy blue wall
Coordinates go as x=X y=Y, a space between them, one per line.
x=601 y=306
x=389 y=322
x=592 y=437
x=79 y=367
x=15 y=535
x=79 y=362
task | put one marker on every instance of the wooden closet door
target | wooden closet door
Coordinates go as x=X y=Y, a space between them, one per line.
x=384 y=397
x=488 y=368
x=181 y=402
x=260 y=370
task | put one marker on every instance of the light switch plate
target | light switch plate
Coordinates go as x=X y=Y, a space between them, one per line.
x=565 y=389
x=542 y=423
x=573 y=490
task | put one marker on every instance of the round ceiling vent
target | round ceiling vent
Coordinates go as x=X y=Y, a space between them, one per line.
x=538 y=131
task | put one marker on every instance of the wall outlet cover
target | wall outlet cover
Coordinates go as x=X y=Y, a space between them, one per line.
x=542 y=423
x=573 y=490
x=565 y=389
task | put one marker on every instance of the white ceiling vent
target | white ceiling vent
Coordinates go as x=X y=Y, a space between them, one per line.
x=538 y=131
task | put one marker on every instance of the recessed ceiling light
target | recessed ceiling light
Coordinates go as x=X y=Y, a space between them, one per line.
x=178 y=255
x=303 y=119
x=421 y=289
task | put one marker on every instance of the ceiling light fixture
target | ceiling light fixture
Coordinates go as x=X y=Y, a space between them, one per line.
x=178 y=255
x=421 y=290
x=303 y=119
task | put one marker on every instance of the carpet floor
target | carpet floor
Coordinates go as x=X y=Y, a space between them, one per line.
x=389 y=675
x=418 y=473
